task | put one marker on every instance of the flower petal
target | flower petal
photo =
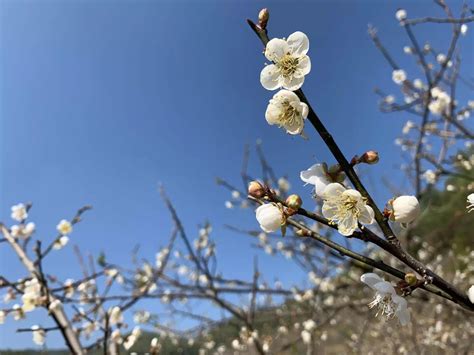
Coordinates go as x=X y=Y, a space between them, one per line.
x=334 y=189
x=269 y=77
x=347 y=225
x=298 y=43
x=384 y=287
x=293 y=83
x=366 y=215
x=276 y=49
x=370 y=279
x=304 y=66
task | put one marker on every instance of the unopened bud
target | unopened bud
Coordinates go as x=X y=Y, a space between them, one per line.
x=256 y=189
x=370 y=157
x=263 y=17
x=411 y=279
x=294 y=202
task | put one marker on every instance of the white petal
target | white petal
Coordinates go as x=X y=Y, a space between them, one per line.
x=296 y=127
x=348 y=225
x=384 y=287
x=367 y=215
x=287 y=95
x=276 y=49
x=304 y=110
x=310 y=175
x=298 y=43
x=269 y=77
x=304 y=66
x=293 y=83
x=333 y=190
x=370 y=279
x=329 y=210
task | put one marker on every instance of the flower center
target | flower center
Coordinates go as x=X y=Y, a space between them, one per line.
x=288 y=65
x=385 y=305
x=289 y=114
x=350 y=205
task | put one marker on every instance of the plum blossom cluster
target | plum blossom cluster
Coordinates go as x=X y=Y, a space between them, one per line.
x=290 y=65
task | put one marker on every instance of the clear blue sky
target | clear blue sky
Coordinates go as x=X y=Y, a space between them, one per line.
x=101 y=100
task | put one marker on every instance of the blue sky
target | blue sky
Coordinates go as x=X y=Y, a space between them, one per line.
x=101 y=100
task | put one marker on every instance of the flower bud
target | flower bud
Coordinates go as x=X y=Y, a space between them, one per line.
x=370 y=157
x=256 y=189
x=294 y=202
x=263 y=17
x=411 y=279
x=405 y=209
x=270 y=216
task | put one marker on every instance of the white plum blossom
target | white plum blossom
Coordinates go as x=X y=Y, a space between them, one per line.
x=463 y=29
x=388 y=303
x=61 y=242
x=287 y=111
x=440 y=102
x=31 y=295
x=401 y=14
x=418 y=84
x=405 y=209
x=284 y=184
x=132 y=338
x=346 y=207
x=3 y=315
x=320 y=176
x=64 y=227
x=306 y=336
x=19 y=212
x=429 y=176
x=441 y=58
x=290 y=62
x=39 y=335
x=399 y=76
x=115 y=315
x=22 y=231
x=270 y=217
x=470 y=293
x=470 y=202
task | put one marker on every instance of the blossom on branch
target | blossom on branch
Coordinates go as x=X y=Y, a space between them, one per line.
x=64 y=227
x=321 y=176
x=346 y=207
x=470 y=203
x=287 y=111
x=291 y=63
x=387 y=301
x=39 y=335
x=399 y=76
x=405 y=209
x=19 y=212
x=271 y=217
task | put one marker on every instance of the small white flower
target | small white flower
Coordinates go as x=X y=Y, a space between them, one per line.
x=116 y=337
x=115 y=315
x=22 y=231
x=407 y=50
x=31 y=295
x=270 y=216
x=399 y=76
x=417 y=83
x=291 y=63
x=389 y=99
x=39 y=335
x=309 y=325
x=408 y=126
x=284 y=184
x=19 y=212
x=401 y=14
x=387 y=301
x=441 y=58
x=346 y=207
x=3 y=315
x=320 y=176
x=306 y=336
x=229 y=204
x=64 y=227
x=405 y=209
x=440 y=102
x=287 y=111
x=429 y=176
x=463 y=29
x=470 y=293
x=235 y=194
x=61 y=242
x=470 y=204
